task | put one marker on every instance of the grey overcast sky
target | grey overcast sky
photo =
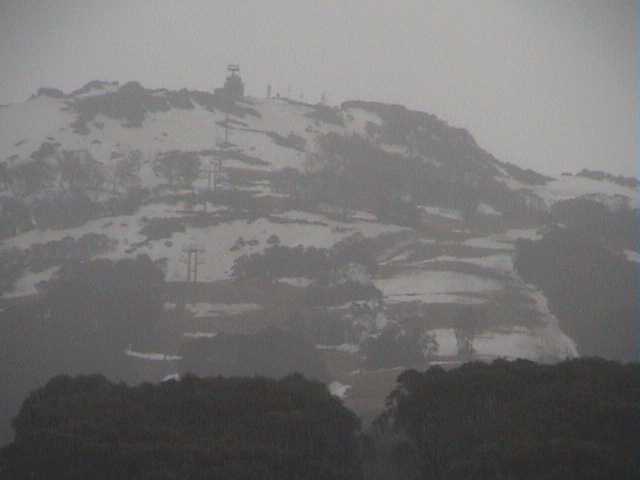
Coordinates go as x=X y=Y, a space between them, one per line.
x=547 y=84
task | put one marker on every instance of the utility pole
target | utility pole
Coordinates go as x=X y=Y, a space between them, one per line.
x=214 y=174
x=195 y=266
x=209 y=175
x=189 y=253
x=192 y=261
x=217 y=174
x=226 y=127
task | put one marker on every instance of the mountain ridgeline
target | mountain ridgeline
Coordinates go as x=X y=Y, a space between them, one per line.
x=149 y=234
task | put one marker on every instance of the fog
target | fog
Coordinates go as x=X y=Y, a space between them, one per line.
x=343 y=239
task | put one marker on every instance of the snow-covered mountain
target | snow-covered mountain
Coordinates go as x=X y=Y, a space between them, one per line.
x=116 y=171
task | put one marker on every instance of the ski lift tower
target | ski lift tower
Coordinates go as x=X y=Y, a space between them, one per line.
x=233 y=90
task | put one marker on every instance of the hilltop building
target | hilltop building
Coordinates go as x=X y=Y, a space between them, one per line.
x=233 y=86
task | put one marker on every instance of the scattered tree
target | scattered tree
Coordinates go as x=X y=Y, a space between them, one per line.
x=80 y=171
x=178 y=168
x=126 y=171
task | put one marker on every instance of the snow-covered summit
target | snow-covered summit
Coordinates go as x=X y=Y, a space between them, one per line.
x=108 y=119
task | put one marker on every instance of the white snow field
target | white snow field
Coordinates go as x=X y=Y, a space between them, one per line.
x=435 y=287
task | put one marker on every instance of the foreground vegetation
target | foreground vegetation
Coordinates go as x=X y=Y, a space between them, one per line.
x=578 y=419
x=88 y=427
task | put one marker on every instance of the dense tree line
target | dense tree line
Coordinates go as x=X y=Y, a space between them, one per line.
x=57 y=188
x=279 y=261
x=393 y=347
x=104 y=306
x=272 y=353
x=577 y=420
x=444 y=165
x=591 y=289
x=355 y=173
x=63 y=209
x=51 y=167
x=617 y=225
x=14 y=262
x=83 y=322
x=235 y=428
x=514 y=420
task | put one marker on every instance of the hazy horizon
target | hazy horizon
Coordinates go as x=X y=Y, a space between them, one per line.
x=549 y=85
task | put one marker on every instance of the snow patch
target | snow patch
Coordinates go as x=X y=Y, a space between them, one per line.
x=27 y=284
x=200 y=334
x=203 y=309
x=338 y=389
x=504 y=241
x=485 y=209
x=345 y=347
x=448 y=213
x=157 y=357
x=300 y=282
x=354 y=273
x=436 y=287
x=502 y=263
x=567 y=187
